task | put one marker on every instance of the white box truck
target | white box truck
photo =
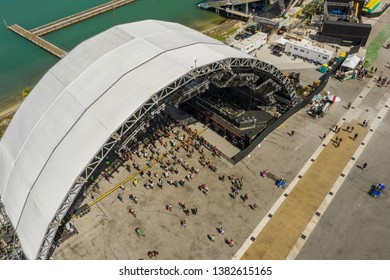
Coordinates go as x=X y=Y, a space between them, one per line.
x=251 y=43
x=306 y=50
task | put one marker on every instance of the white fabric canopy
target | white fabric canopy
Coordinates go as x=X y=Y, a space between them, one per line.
x=281 y=41
x=351 y=61
x=76 y=107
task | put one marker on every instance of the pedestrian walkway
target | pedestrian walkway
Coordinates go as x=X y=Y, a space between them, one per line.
x=38 y=40
x=286 y=225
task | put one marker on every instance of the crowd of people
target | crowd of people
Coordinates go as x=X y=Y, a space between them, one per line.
x=383 y=81
x=168 y=157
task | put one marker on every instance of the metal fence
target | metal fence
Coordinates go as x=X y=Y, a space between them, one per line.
x=329 y=39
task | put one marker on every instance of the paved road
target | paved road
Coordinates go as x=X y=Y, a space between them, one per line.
x=356 y=226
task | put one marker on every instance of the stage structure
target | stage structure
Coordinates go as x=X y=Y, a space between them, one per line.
x=96 y=99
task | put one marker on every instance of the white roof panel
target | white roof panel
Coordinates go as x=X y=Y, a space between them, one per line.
x=108 y=69
x=6 y=165
x=170 y=40
x=31 y=111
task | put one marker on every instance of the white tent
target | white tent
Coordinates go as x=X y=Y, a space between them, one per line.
x=281 y=41
x=351 y=62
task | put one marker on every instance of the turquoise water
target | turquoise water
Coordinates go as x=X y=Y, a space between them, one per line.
x=22 y=63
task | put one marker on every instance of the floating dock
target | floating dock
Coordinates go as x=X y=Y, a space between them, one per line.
x=38 y=40
x=243 y=16
x=214 y=3
x=226 y=7
x=64 y=22
x=34 y=34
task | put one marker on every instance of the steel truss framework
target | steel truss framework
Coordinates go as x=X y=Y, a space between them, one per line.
x=136 y=122
x=4 y=220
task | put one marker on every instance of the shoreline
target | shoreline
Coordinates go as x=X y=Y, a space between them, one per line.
x=6 y=112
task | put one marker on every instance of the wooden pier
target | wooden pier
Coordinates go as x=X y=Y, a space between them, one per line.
x=64 y=22
x=34 y=34
x=237 y=13
x=224 y=3
x=38 y=40
x=244 y=16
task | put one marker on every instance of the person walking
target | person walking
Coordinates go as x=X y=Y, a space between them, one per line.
x=128 y=167
x=132 y=212
x=183 y=222
x=339 y=143
x=264 y=173
x=355 y=136
x=364 y=166
x=292 y=133
x=349 y=105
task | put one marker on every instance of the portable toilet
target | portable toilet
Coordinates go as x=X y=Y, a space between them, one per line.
x=324 y=68
x=341 y=56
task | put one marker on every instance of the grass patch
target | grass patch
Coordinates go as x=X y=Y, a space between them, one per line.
x=222 y=35
x=376 y=45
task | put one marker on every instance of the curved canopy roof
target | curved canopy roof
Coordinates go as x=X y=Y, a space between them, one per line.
x=79 y=103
